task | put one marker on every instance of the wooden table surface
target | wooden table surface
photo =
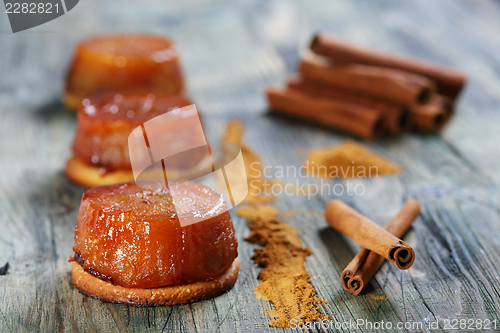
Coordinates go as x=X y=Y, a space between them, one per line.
x=231 y=51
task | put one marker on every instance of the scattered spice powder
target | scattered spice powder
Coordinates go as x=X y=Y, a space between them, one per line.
x=257 y=186
x=348 y=160
x=289 y=213
x=284 y=279
x=379 y=298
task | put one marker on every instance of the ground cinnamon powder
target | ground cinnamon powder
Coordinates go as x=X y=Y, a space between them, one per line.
x=257 y=186
x=284 y=280
x=348 y=160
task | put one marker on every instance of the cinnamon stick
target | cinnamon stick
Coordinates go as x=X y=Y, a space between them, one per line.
x=365 y=264
x=449 y=81
x=445 y=103
x=396 y=118
x=348 y=117
x=432 y=116
x=368 y=234
x=382 y=83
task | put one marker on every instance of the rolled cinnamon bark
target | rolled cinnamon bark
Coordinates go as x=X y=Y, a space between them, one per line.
x=382 y=83
x=449 y=81
x=431 y=117
x=445 y=101
x=365 y=264
x=368 y=234
x=348 y=117
x=396 y=118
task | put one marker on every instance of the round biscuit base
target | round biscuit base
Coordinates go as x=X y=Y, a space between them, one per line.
x=89 y=176
x=86 y=175
x=92 y=286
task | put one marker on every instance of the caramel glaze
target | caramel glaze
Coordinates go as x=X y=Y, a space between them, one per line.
x=105 y=122
x=131 y=236
x=78 y=258
x=125 y=64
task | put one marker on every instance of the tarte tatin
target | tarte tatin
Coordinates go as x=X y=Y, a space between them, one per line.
x=123 y=64
x=100 y=149
x=131 y=248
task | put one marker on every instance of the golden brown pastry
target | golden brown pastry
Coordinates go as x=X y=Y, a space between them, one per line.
x=133 y=246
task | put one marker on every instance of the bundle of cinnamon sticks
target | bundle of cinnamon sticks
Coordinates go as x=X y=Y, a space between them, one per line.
x=367 y=93
x=378 y=244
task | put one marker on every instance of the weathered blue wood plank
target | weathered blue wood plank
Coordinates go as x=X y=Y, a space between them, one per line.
x=231 y=51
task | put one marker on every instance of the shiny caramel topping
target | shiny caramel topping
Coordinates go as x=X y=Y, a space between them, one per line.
x=132 y=235
x=155 y=48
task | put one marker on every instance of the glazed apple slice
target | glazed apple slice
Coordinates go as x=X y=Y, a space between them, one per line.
x=131 y=235
x=105 y=122
x=123 y=64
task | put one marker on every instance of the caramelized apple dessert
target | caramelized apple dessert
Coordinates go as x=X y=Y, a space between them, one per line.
x=104 y=123
x=130 y=247
x=123 y=64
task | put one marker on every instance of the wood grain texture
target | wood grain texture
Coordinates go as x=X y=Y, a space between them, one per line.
x=231 y=51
